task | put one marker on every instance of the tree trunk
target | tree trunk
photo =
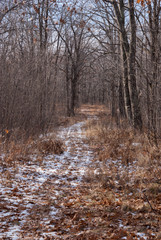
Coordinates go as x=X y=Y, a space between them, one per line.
x=121 y=100
x=137 y=120
x=127 y=100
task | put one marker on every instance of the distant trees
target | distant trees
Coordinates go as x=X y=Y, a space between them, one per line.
x=27 y=82
x=136 y=24
x=76 y=47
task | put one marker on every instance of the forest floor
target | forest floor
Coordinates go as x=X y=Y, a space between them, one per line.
x=94 y=187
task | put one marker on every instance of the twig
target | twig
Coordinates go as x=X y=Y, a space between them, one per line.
x=153 y=209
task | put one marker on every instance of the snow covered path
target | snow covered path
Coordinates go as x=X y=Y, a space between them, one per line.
x=76 y=195
x=32 y=199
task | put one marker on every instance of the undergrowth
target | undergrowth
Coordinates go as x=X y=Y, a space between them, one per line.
x=23 y=151
x=120 y=195
x=128 y=169
x=119 y=143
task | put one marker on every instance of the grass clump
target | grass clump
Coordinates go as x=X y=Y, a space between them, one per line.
x=50 y=146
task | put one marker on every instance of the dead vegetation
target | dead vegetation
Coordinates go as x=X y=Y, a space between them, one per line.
x=120 y=143
x=127 y=177
x=50 y=146
x=15 y=152
x=119 y=197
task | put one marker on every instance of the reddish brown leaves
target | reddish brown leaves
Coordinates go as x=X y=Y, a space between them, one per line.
x=143 y=2
x=62 y=20
x=37 y=10
x=82 y=24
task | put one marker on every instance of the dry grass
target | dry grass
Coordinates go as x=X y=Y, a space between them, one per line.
x=119 y=143
x=82 y=114
x=128 y=146
x=19 y=152
x=128 y=170
x=50 y=146
x=93 y=110
x=131 y=148
x=112 y=199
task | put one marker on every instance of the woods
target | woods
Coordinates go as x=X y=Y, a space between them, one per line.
x=63 y=54
x=80 y=122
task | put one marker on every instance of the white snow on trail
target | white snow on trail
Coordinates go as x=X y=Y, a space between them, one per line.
x=36 y=188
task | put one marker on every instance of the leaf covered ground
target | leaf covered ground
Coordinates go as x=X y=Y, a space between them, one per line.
x=93 y=182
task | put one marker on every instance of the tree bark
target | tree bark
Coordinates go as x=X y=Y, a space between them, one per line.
x=135 y=103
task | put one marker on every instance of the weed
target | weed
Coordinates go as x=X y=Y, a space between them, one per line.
x=48 y=146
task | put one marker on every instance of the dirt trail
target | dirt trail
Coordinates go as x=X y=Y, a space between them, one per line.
x=36 y=193
x=75 y=195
